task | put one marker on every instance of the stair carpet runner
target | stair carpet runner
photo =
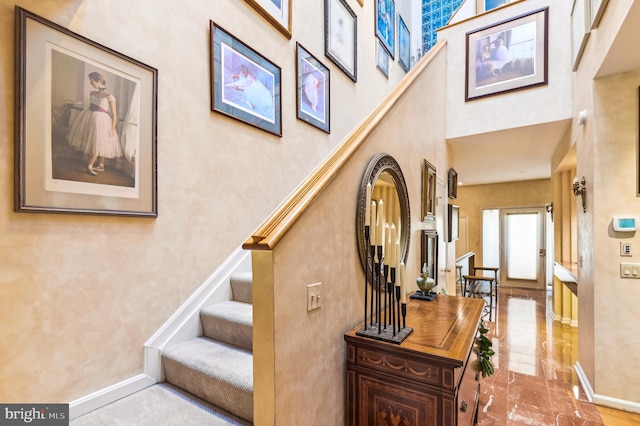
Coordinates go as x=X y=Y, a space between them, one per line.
x=212 y=373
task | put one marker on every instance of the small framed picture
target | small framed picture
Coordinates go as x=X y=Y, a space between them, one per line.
x=312 y=89
x=507 y=56
x=340 y=36
x=85 y=126
x=452 y=184
x=386 y=24
x=277 y=12
x=454 y=223
x=428 y=191
x=245 y=85
x=383 y=59
x=580 y=30
x=597 y=8
x=404 y=45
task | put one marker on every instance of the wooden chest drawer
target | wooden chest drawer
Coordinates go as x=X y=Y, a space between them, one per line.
x=399 y=366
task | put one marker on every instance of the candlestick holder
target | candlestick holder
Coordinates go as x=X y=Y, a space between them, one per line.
x=387 y=311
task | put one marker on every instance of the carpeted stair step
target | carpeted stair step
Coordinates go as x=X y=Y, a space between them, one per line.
x=241 y=286
x=216 y=372
x=229 y=322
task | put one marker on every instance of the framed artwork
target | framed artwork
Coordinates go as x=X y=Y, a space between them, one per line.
x=404 y=45
x=382 y=59
x=452 y=184
x=580 y=30
x=312 y=89
x=277 y=12
x=597 y=8
x=386 y=24
x=245 y=85
x=85 y=125
x=340 y=36
x=507 y=56
x=428 y=191
x=454 y=222
x=429 y=253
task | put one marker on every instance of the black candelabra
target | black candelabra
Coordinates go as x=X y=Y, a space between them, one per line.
x=384 y=312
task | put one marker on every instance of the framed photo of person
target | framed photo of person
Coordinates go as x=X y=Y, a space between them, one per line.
x=507 y=56
x=386 y=24
x=382 y=59
x=277 y=12
x=404 y=45
x=312 y=90
x=85 y=125
x=340 y=36
x=245 y=85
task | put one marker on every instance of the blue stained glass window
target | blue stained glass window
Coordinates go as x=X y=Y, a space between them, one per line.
x=435 y=15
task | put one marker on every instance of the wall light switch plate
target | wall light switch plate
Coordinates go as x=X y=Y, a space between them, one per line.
x=314 y=296
x=625 y=248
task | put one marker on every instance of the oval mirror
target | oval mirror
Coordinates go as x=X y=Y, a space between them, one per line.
x=389 y=191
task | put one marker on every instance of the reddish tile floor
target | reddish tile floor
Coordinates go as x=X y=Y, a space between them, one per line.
x=535 y=383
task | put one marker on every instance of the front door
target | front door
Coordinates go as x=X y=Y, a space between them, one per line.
x=523 y=248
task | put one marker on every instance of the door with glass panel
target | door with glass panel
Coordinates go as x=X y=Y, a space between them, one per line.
x=523 y=248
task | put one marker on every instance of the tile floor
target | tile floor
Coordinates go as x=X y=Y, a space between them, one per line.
x=535 y=383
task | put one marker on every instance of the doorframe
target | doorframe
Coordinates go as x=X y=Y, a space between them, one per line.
x=543 y=244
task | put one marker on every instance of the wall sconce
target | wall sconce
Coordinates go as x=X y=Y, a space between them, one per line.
x=549 y=208
x=579 y=188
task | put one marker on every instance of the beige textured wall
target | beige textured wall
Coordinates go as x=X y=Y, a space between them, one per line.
x=616 y=339
x=310 y=356
x=474 y=198
x=79 y=295
x=611 y=120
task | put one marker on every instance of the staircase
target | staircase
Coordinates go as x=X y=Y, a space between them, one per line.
x=208 y=375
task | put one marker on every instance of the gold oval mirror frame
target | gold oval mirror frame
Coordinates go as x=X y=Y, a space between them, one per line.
x=388 y=185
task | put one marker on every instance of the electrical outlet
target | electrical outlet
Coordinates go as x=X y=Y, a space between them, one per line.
x=314 y=296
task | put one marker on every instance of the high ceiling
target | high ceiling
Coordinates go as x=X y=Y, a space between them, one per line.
x=525 y=153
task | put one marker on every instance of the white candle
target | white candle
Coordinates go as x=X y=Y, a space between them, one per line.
x=372 y=229
x=398 y=253
x=392 y=246
x=367 y=206
x=381 y=223
x=403 y=293
x=399 y=228
x=385 y=243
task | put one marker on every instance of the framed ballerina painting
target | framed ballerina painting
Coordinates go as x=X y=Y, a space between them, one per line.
x=312 y=90
x=244 y=84
x=85 y=134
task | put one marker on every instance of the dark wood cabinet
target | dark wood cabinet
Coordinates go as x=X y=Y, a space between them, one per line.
x=426 y=380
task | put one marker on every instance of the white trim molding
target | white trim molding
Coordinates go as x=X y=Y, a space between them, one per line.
x=109 y=394
x=606 y=401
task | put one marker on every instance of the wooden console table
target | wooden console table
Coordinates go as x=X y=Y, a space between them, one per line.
x=426 y=380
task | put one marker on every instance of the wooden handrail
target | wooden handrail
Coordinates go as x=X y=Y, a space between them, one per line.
x=267 y=235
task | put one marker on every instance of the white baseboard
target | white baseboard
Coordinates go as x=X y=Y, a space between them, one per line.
x=109 y=394
x=606 y=401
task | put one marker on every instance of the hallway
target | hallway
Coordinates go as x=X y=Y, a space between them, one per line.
x=535 y=383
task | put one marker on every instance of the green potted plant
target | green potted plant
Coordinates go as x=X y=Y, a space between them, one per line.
x=483 y=348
